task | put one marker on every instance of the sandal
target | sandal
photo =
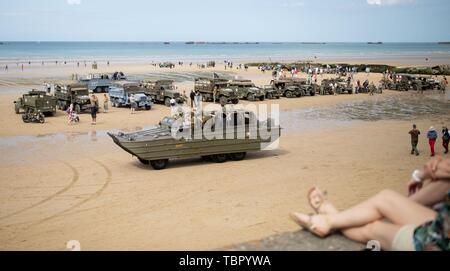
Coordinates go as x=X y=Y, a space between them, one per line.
x=316 y=205
x=309 y=226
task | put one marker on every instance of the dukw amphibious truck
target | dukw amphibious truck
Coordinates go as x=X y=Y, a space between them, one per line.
x=216 y=136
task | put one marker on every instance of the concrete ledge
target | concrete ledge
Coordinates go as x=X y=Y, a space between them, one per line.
x=299 y=241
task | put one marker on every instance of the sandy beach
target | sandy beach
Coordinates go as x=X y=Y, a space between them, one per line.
x=61 y=182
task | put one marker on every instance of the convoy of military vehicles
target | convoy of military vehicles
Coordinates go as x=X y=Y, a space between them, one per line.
x=213 y=89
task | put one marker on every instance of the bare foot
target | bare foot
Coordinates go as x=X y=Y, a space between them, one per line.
x=317 y=200
x=317 y=224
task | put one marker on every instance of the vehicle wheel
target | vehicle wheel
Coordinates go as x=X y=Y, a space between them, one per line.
x=261 y=98
x=77 y=108
x=143 y=161
x=235 y=101
x=238 y=156
x=250 y=97
x=167 y=102
x=269 y=96
x=312 y=93
x=288 y=94
x=25 y=118
x=17 y=110
x=148 y=107
x=206 y=158
x=219 y=158
x=223 y=100
x=41 y=119
x=278 y=97
x=159 y=164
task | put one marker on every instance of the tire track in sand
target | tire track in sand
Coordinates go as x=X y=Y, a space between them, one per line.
x=75 y=179
x=91 y=197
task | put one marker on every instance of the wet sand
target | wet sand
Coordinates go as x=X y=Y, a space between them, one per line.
x=62 y=183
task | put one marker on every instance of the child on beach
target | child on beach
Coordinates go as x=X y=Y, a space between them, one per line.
x=397 y=222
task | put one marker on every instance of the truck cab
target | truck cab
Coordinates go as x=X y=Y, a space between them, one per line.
x=120 y=94
x=75 y=93
x=162 y=91
x=216 y=89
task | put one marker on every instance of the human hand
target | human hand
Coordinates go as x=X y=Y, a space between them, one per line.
x=439 y=169
x=414 y=187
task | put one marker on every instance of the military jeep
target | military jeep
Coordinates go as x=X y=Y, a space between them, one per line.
x=216 y=89
x=162 y=91
x=287 y=88
x=75 y=93
x=271 y=92
x=247 y=90
x=339 y=85
x=35 y=101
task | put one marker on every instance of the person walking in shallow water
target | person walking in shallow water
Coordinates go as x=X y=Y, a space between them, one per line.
x=414 y=140
x=432 y=137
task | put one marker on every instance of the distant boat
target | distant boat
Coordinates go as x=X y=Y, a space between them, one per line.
x=444 y=43
x=314 y=43
x=376 y=43
x=190 y=42
x=166 y=42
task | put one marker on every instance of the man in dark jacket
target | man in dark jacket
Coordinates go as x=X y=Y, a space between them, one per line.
x=414 y=140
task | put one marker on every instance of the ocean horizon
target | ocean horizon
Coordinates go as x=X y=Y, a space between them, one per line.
x=25 y=51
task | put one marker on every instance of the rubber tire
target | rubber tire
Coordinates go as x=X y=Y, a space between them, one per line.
x=288 y=94
x=235 y=101
x=262 y=98
x=251 y=97
x=159 y=164
x=312 y=93
x=167 y=102
x=223 y=99
x=143 y=161
x=41 y=119
x=238 y=156
x=148 y=107
x=269 y=96
x=219 y=158
x=77 y=108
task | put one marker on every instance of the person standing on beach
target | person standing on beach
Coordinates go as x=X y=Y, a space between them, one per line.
x=105 y=103
x=432 y=137
x=192 y=96
x=445 y=139
x=6 y=68
x=94 y=109
x=414 y=140
x=132 y=104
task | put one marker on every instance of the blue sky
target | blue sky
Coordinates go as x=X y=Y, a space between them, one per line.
x=225 y=20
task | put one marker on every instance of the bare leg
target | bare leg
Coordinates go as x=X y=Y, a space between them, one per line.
x=380 y=231
x=432 y=193
x=386 y=204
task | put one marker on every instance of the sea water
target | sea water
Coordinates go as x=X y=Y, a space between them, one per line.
x=181 y=51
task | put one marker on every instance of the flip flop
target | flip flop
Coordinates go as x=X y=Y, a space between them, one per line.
x=322 y=194
x=308 y=226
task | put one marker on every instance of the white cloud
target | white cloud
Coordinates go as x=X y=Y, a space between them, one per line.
x=74 y=2
x=387 y=2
